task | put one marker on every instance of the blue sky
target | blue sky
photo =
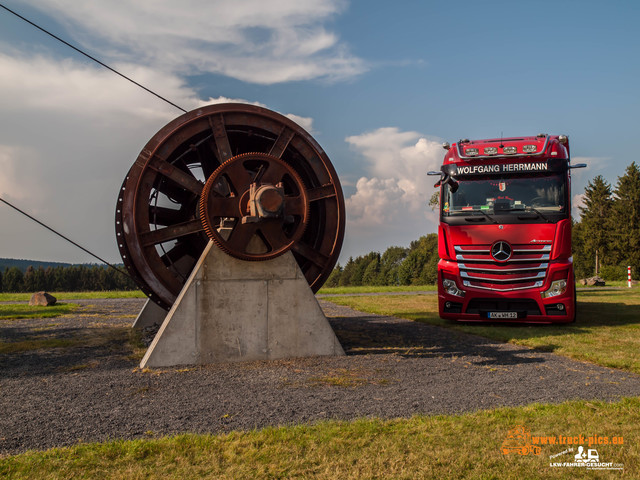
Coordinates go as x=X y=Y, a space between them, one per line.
x=379 y=84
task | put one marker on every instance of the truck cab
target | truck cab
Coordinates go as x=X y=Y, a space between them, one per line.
x=504 y=238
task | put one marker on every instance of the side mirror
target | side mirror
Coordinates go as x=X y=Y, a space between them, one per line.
x=578 y=165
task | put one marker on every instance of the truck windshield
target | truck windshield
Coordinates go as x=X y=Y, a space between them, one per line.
x=537 y=193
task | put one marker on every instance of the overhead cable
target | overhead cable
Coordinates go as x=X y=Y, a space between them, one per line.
x=92 y=58
x=67 y=239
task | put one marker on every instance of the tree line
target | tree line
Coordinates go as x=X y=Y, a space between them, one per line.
x=609 y=224
x=609 y=227
x=416 y=265
x=74 y=278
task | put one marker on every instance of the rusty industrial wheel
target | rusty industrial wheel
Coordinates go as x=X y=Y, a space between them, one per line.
x=269 y=188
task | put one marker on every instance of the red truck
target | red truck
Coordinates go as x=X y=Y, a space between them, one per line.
x=504 y=238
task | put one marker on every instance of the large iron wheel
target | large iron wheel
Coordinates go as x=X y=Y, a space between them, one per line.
x=159 y=228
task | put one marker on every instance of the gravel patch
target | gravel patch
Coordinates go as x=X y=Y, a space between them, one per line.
x=93 y=391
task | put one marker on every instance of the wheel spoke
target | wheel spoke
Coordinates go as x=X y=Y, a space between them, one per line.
x=165 y=216
x=241 y=235
x=162 y=235
x=320 y=193
x=273 y=174
x=274 y=235
x=208 y=158
x=309 y=253
x=282 y=142
x=238 y=177
x=220 y=134
x=294 y=206
x=175 y=254
x=224 y=207
x=185 y=180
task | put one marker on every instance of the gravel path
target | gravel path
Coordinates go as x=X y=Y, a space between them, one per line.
x=92 y=390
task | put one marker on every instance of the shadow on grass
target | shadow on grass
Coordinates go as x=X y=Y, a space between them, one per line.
x=25 y=351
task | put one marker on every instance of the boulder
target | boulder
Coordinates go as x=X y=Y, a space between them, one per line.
x=42 y=299
x=596 y=282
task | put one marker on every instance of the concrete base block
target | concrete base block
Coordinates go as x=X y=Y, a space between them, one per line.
x=234 y=310
x=150 y=314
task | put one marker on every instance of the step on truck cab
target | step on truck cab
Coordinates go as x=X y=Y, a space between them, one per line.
x=504 y=237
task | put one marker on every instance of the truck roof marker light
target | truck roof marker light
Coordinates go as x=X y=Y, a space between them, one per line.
x=446 y=145
x=530 y=148
x=471 y=152
x=563 y=139
x=490 y=150
x=509 y=150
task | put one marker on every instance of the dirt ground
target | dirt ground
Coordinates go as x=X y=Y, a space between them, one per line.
x=88 y=388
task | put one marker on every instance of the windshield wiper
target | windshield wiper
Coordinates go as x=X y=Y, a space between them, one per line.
x=531 y=209
x=471 y=219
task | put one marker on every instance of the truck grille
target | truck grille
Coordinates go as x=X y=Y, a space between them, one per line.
x=526 y=268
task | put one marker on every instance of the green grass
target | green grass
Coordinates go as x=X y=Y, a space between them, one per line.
x=443 y=447
x=376 y=289
x=24 y=297
x=607 y=331
x=16 y=311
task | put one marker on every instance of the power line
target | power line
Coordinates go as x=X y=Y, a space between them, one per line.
x=92 y=58
x=67 y=239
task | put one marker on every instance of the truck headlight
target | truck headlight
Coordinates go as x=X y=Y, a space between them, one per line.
x=451 y=288
x=558 y=287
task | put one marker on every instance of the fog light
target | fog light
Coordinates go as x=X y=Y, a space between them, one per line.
x=558 y=287
x=490 y=150
x=451 y=288
x=471 y=152
x=560 y=306
x=447 y=304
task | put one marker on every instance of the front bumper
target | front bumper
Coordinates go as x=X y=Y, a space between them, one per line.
x=516 y=306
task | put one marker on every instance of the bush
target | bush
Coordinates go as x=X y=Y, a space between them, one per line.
x=613 y=272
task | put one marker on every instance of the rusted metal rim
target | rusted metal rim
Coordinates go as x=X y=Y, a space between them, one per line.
x=158 y=227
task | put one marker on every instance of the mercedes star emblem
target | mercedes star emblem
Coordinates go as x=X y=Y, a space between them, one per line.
x=501 y=251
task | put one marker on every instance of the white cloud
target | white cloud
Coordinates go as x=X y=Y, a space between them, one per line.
x=389 y=206
x=69 y=132
x=252 y=40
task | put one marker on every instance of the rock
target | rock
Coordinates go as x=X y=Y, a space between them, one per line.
x=596 y=282
x=42 y=299
x=582 y=281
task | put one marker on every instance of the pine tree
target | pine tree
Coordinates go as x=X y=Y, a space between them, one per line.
x=594 y=231
x=13 y=280
x=625 y=244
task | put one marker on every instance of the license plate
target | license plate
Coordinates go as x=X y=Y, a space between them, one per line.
x=500 y=315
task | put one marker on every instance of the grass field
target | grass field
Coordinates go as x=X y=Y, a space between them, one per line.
x=24 y=297
x=443 y=447
x=14 y=311
x=607 y=331
x=376 y=289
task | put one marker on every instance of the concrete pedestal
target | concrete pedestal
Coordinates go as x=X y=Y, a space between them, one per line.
x=150 y=314
x=234 y=310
